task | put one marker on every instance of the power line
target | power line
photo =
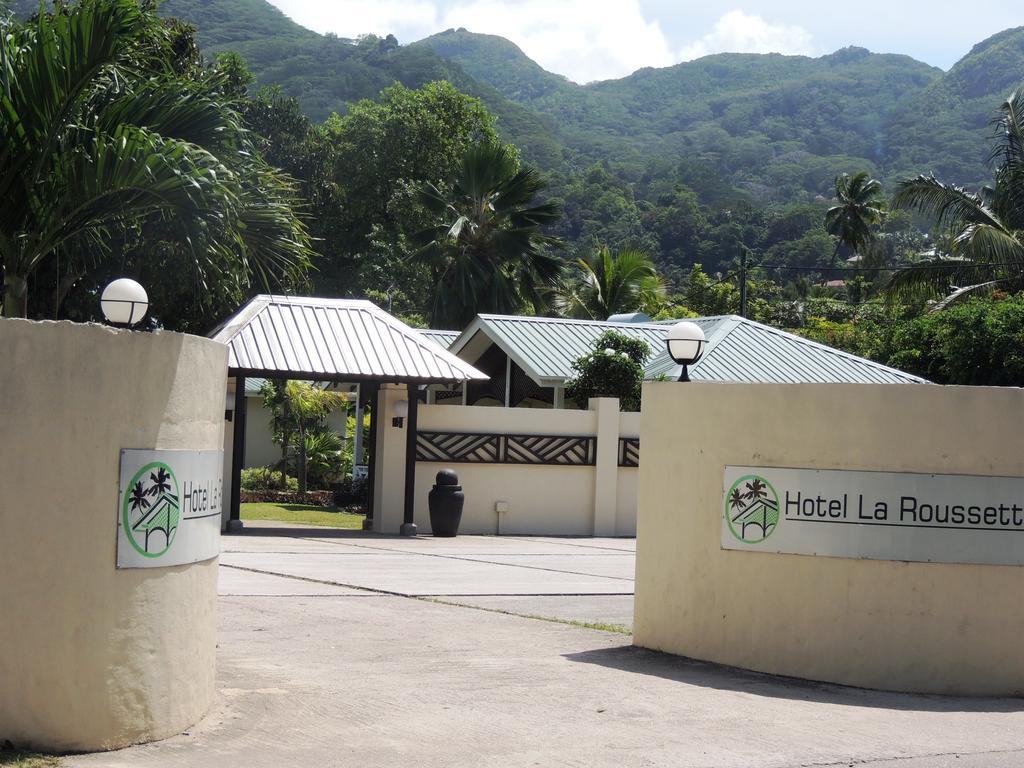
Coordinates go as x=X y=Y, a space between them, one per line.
x=949 y=265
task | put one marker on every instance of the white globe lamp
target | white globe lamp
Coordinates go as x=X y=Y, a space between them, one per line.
x=686 y=342
x=124 y=302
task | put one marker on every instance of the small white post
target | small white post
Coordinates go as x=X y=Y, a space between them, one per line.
x=606 y=465
x=508 y=382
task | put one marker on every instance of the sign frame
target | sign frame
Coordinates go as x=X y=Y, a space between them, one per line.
x=169 y=507
x=874 y=515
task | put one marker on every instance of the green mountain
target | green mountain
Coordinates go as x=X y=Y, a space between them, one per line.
x=768 y=122
x=944 y=128
x=327 y=73
x=778 y=128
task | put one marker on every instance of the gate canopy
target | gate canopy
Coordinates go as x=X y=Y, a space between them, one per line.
x=342 y=340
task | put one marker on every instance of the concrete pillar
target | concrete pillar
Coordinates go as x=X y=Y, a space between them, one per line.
x=390 y=447
x=95 y=657
x=606 y=468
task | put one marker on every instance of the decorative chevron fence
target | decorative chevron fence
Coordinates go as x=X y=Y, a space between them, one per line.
x=473 y=448
x=523 y=470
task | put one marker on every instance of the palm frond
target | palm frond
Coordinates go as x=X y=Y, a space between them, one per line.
x=948 y=204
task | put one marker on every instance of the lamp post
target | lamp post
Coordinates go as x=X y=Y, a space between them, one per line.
x=124 y=303
x=686 y=344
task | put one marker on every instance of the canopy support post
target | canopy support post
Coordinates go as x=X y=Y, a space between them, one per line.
x=409 y=525
x=237 y=456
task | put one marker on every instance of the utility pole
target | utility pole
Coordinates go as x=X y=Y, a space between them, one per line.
x=743 y=279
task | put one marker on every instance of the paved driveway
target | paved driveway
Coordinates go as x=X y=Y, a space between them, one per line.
x=341 y=649
x=584 y=580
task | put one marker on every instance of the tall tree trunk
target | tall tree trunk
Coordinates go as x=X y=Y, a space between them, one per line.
x=64 y=285
x=286 y=432
x=15 y=296
x=302 y=460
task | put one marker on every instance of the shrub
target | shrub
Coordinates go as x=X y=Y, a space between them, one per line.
x=267 y=479
x=325 y=461
x=614 y=369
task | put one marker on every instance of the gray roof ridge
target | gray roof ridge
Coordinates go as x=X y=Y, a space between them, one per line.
x=577 y=321
x=227 y=330
x=728 y=324
x=284 y=298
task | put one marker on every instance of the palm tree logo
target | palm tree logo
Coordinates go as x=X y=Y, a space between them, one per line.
x=151 y=510
x=752 y=509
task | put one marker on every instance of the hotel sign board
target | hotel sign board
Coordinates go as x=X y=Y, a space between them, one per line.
x=169 y=507
x=874 y=515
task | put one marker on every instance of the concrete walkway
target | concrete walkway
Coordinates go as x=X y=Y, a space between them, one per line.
x=334 y=651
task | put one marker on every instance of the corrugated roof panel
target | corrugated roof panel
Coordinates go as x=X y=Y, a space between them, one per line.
x=738 y=350
x=552 y=345
x=443 y=338
x=334 y=338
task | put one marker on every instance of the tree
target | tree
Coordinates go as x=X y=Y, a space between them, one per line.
x=976 y=342
x=299 y=410
x=858 y=208
x=485 y=249
x=607 y=284
x=986 y=229
x=100 y=134
x=614 y=369
x=381 y=152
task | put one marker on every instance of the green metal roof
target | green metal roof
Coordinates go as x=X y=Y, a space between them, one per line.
x=444 y=338
x=738 y=350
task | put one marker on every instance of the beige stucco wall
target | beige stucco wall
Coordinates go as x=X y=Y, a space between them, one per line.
x=542 y=500
x=92 y=657
x=879 y=624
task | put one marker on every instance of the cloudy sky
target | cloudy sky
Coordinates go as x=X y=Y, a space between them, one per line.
x=599 y=39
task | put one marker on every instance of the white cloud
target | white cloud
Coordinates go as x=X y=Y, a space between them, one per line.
x=582 y=39
x=407 y=19
x=739 y=32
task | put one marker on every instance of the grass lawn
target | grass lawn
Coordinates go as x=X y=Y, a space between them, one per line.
x=16 y=759
x=306 y=514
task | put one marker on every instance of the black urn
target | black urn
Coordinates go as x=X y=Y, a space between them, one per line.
x=445 y=501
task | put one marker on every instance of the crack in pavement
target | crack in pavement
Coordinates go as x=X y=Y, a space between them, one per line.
x=472 y=560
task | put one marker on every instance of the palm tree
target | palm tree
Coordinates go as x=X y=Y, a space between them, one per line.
x=607 y=284
x=138 y=497
x=487 y=251
x=298 y=408
x=986 y=243
x=735 y=498
x=756 y=490
x=159 y=480
x=858 y=208
x=96 y=135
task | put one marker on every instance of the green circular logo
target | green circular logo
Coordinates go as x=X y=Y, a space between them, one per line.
x=151 y=509
x=752 y=509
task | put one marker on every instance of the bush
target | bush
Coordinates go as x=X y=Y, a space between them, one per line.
x=349 y=492
x=614 y=369
x=325 y=461
x=978 y=342
x=267 y=479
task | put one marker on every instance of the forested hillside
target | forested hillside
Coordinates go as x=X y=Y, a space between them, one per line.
x=455 y=176
x=775 y=128
x=941 y=128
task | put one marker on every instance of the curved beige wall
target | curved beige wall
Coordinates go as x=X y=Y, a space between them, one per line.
x=921 y=627
x=92 y=657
